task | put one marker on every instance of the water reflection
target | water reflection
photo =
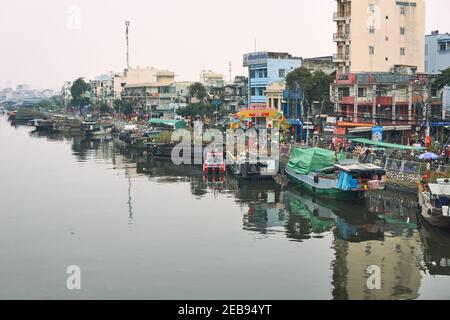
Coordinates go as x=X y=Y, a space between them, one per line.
x=381 y=230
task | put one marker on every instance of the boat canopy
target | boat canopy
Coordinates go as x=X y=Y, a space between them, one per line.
x=360 y=168
x=176 y=124
x=305 y=161
x=386 y=145
x=440 y=190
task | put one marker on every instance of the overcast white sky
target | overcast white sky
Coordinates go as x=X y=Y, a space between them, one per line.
x=41 y=43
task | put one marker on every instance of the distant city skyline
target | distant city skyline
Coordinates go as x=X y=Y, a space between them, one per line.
x=48 y=42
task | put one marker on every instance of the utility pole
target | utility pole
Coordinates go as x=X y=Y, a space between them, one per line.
x=127 y=25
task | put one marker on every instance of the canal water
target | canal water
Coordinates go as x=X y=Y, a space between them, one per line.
x=145 y=229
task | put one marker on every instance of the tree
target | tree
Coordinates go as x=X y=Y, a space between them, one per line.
x=443 y=79
x=124 y=106
x=100 y=106
x=315 y=86
x=200 y=110
x=198 y=91
x=78 y=91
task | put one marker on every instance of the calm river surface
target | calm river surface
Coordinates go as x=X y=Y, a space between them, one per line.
x=145 y=229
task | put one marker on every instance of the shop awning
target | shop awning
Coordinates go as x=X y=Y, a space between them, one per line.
x=387 y=128
x=386 y=145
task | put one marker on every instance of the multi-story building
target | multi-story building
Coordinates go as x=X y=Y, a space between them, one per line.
x=437 y=52
x=102 y=89
x=266 y=68
x=375 y=35
x=324 y=64
x=211 y=79
x=235 y=95
x=158 y=95
x=274 y=95
x=397 y=101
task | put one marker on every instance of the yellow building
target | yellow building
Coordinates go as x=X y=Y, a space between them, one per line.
x=274 y=95
x=396 y=257
x=376 y=35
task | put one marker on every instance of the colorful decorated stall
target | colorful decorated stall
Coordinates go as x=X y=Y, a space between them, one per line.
x=258 y=118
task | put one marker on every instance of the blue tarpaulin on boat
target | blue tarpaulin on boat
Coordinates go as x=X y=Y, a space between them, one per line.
x=345 y=181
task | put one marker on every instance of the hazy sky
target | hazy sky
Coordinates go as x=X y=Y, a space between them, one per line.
x=43 y=43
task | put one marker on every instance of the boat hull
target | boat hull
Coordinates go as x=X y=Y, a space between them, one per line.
x=324 y=190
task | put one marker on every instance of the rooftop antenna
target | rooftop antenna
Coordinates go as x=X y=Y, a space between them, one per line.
x=127 y=25
x=230 y=69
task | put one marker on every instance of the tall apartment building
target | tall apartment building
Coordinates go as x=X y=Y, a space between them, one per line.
x=376 y=35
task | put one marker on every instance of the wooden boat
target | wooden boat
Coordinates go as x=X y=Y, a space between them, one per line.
x=323 y=173
x=44 y=125
x=96 y=128
x=242 y=167
x=434 y=203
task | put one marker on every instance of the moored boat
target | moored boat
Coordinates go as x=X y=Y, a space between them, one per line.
x=43 y=125
x=329 y=175
x=96 y=128
x=434 y=203
x=214 y=163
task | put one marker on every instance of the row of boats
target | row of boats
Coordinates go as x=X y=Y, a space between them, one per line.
x=322 y=172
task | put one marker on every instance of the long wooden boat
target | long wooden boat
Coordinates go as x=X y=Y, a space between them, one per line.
x=320 y=172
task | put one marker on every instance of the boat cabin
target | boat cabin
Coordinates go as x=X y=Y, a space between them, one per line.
x=438 y=195
x=359 y=176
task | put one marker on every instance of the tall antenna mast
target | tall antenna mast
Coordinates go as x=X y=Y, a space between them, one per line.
x=127 y=25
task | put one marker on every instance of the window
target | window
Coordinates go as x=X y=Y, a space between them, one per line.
x=371 y=29
x=347 y=50
x=402 y=51
x=252 y=74
x=347 y=70
x=371 y=50
x=387 y=59
x=402 y=10
x=443 y=47
x=402 y=31
x=282 y=73
x=362 y=92
x=347 y=28
x=434 y=92
x=371 y=8
x=253 y=92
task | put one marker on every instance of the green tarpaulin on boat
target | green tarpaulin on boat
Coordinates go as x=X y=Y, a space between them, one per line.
x=305 y=161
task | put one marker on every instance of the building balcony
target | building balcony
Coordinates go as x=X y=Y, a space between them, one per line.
x=348 y=100
x=341 y=37
x=346 y=79
x=384 y=101
x=341 y=16
x=340 y=58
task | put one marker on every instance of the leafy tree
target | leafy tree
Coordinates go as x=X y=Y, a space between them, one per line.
x=316 y=86
x=78 y=91
x=198 y=91
x=199 y=110
x=101 y=106
x=443 y=79
x=124 y=106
